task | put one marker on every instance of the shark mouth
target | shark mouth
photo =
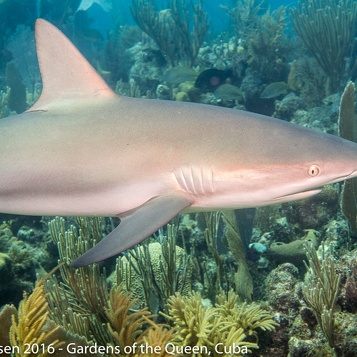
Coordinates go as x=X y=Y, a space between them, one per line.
x=298 y=195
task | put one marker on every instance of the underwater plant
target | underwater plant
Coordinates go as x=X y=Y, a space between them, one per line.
x=308 y=80
x=121 y=38
x=82 y=302
x=348 y=130
x=170 y=28
x=321 y=289
x=267 y=46
x=224 y=324
x=219 y=269
x=261 y=39
x=327 y=28
x=27 y=326
x=30 y=331
x=126 y=326
x=245 y=15
x=242 y=278
x=154 y=271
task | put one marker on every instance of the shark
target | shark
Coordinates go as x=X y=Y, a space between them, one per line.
x=83 y=150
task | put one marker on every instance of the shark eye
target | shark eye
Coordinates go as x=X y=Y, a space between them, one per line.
x=314 y=170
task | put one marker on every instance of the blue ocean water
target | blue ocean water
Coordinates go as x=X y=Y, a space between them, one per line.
x=98 y=10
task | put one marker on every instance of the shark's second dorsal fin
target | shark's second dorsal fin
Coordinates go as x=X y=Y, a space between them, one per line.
x=66 y=74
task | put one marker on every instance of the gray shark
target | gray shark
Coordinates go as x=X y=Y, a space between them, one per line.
x=84 y=150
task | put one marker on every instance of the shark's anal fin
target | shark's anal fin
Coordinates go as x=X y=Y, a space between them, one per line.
x=135 y=227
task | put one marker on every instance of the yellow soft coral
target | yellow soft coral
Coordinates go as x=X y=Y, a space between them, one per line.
x=224 y=326
x=28 y=333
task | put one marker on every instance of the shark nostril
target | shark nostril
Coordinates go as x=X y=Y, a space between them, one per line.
x=314 y=170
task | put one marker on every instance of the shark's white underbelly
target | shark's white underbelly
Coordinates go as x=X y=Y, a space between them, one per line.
x=98 y=201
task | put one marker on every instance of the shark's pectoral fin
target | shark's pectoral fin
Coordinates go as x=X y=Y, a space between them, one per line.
x=134 y=227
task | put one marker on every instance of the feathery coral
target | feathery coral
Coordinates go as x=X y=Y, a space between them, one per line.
x=125 y=326
x=225 y=324
x=28 y=328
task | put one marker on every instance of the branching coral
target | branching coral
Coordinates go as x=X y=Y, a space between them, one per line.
x=262 y=41
x=30 y=331
x=125 y=326
x=170 y=28
x=81 y=302
x=267 y=45
x=194 y=322
x=249 y=317
x=27 y=328
x=155 y=271
x=327 y=27
x=225 y=324
x=82 y=306
x=83 y=293
x=157 y=340
x=212 y=222
x=321 y=289
x=245 y=15
x=136 y=328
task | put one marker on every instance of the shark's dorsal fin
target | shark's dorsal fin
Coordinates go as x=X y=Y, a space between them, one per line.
x=66 y=74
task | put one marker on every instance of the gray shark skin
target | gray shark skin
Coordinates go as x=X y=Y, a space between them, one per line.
x=83 y=150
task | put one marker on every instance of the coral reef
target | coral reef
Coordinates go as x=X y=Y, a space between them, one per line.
x=226 y=324
x=315 y=212
x=308 y=80
x=321 y=289
x=293 y=252
x=22 y=47
x=27 y=327
x=170 y=28
x=263 y=39
x=243 y=279
x=327 y=28
x=280 y=284
x=348 y=130
x=267 y=46
x=117 y=53
x=155 y=271
x=288 y=106
x=20 y=260
x=125 y=327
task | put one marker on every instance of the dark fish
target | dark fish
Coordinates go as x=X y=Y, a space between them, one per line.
x=210 y=79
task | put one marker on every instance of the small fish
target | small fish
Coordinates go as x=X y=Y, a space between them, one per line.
x=274 y=90
x=228 y=92
x=179 y=74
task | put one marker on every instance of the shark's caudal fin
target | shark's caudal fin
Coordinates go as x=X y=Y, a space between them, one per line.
x=66 y=74
x=134 y=227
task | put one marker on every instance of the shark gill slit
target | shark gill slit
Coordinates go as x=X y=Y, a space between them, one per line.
x=194 y=180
